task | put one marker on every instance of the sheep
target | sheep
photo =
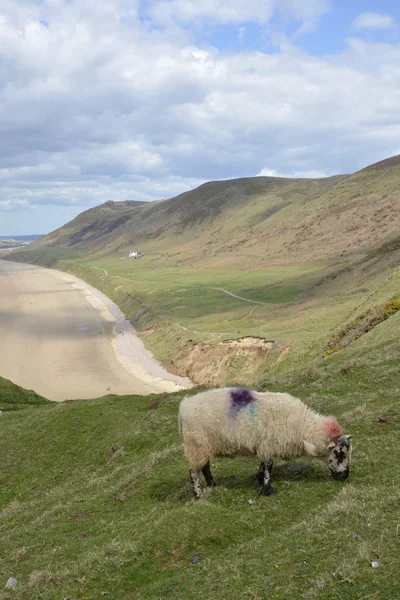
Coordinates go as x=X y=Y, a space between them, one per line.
x=239 y=422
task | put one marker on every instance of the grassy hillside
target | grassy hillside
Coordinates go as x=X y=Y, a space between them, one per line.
x=102 y=222
x=13 y=397
x=262 y=217
x=117 y=226
x=95 y=500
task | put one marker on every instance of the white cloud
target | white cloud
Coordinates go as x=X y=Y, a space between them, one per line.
x=373 y=20
x=307 y=12
x=100 y=105
x=212 y=11
x=236 y=11
x=10 y=205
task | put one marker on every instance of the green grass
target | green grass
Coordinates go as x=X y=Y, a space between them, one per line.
x=45 y=257
x=164 y=283
x=13 y=397
x=94 y=498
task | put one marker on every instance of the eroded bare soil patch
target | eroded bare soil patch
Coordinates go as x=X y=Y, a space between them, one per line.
x=230 y=360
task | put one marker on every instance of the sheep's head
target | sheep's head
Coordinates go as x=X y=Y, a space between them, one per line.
x=339 y=456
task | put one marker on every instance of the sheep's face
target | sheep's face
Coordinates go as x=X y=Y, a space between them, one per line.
x=338 y=458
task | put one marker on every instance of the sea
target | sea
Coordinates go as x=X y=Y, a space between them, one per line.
x=22 y=238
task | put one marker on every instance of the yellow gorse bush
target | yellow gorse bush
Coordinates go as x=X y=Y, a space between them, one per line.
x=391 y=307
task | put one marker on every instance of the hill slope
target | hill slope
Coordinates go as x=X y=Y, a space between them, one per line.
x=264 y=216
x=14 y=397
x=95 y=499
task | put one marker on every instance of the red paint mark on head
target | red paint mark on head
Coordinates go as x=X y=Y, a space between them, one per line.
x=332 y=428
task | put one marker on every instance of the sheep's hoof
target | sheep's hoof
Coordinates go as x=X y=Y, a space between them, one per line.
x=212 y=484
x=268 y=490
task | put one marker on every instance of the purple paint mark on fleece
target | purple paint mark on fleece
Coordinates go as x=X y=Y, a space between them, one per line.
x=240 y=399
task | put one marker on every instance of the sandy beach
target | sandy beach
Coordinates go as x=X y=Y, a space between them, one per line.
x=64 y=339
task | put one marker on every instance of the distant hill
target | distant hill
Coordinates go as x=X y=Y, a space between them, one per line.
x=6 y=244
x=17 y=241
x=22 y=238
x=269 y=216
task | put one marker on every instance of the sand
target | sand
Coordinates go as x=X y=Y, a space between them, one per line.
x=64 y=339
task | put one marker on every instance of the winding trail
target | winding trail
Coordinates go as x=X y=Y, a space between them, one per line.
x=116 y=276
x=64 y=339
x=239 y=297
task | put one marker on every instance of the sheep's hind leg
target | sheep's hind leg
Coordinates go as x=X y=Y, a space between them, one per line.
x=261 y=470
x=195 y=480
x=208 y=475
x=264 y=477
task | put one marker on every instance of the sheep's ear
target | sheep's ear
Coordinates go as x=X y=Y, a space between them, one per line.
x=310 y=448
x=348 y=437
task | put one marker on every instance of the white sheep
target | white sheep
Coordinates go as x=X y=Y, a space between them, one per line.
x=238 y=422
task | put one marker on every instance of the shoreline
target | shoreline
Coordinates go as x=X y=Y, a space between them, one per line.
x=67 y=340
x=129 y=348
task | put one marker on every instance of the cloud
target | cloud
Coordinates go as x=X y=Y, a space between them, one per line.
x=307 y=13
x=104 y=102
x=212 y=11
x=235 y=11
x=373 y=20
x=10 y=205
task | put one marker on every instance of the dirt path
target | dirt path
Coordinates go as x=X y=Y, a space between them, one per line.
x=65 y=339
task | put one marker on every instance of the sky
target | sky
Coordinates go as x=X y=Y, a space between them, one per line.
x=145 y=99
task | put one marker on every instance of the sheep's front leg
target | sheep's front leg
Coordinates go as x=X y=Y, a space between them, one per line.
x=195 y=481
x=261 y=473
x=264 y=477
